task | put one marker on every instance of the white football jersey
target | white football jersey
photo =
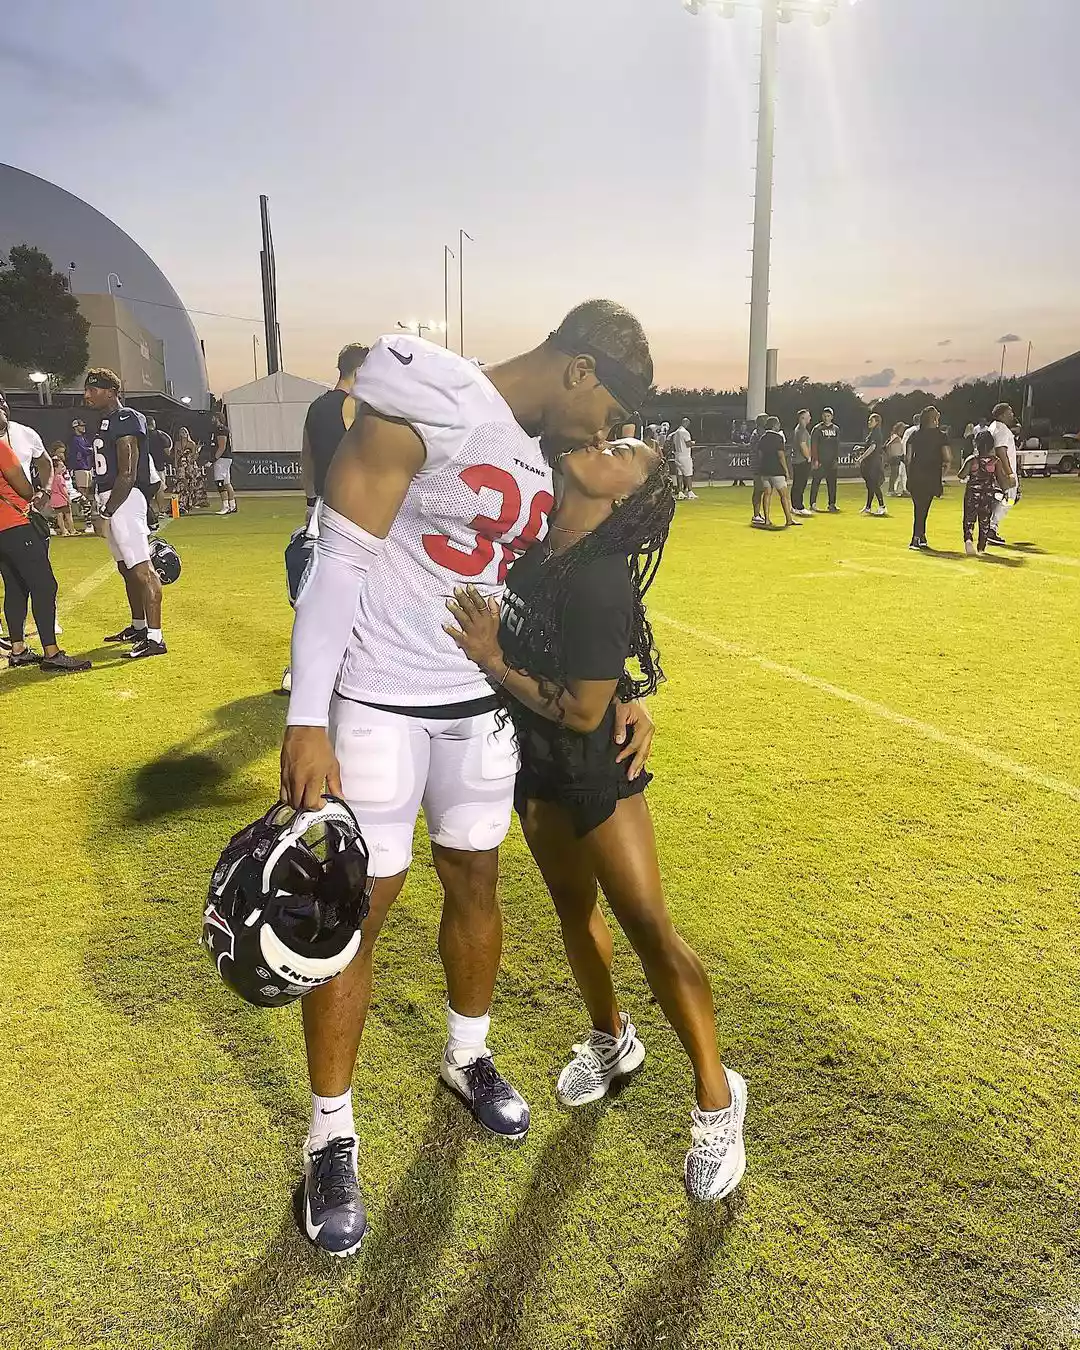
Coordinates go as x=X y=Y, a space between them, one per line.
x=482 y=497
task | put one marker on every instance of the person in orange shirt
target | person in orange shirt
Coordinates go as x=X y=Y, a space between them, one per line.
x=26 y=570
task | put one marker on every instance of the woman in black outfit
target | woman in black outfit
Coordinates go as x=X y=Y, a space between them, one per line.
x=872 y=464
x=927 y=458
x=572 y=617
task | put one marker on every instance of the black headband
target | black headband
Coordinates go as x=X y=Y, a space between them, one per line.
x=622 y=383
x=101 y=382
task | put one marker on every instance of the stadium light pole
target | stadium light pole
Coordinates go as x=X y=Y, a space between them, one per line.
x=109 y=282
x=773 y=14
x=447 y=254
x=462 y=236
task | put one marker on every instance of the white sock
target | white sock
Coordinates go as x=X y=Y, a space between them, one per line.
x=154 y=634
x=139 y=624
x=466 y=1034
x=331 y=1118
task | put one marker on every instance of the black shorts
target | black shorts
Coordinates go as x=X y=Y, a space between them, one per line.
x=588 y=807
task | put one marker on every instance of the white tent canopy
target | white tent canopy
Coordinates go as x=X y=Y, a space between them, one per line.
x=266 y=417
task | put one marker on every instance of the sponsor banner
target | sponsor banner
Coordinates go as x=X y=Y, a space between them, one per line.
x=266 y=472
x=725 y=463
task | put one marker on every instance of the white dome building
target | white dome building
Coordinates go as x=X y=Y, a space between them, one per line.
x=75 y=235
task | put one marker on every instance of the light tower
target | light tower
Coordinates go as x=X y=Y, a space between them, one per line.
x=773 y=14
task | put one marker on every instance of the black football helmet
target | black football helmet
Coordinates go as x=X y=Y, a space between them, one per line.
x=287 y=900
x=165 y=561
x=298 y=554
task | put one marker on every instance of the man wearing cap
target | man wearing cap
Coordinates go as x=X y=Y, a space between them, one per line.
x=824 y=458
x=122 y=475
x=80 y=458
x=444 y=478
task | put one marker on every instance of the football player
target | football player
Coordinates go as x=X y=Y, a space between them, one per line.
x=123 y=479
x=443 y=478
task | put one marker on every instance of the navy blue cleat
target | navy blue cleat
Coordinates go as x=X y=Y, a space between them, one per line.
x=494 y=1104
x=334 y=1217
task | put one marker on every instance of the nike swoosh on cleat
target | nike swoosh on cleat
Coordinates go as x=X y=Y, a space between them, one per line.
x=405 y=360
x=313 y=1229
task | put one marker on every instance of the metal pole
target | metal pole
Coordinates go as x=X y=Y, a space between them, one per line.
x=447 y=255
x=1001 y=377
x=763 y=194
x=462 y=236
x=255 y=354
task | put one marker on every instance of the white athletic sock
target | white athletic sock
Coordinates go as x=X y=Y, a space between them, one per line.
x=140 y=624
x=154 y=634
x=467 y=1035
x=331 y=1118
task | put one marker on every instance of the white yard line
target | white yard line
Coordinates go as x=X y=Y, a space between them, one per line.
x=925 y=729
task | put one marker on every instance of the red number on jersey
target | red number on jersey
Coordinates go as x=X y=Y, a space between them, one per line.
x=541 y=506
x=471 y=564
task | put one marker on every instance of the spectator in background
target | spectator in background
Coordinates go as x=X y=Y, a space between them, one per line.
x=60 y=491
x=188 y=473
x=894 y=454
x=772 y=472
x=221 y=450
x=328 y=419
x=160 y=444
x=25 y=568
x=800 y=463
x=987 y=474
x=927 y=459
x=824 y=458
x=871 y=462
x=30 y=451
x=683 y=448
x=1002 y=430
x=80 y=462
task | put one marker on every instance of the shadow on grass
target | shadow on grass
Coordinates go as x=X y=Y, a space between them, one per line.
x=195 y=773
x=937 y=1192
x=664 y=1309
x=488 y=1313
x=395 y=1263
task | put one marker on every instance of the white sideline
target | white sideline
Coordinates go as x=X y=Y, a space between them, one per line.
x=926 y=729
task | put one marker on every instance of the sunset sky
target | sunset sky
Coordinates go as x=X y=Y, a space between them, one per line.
x=927 y=203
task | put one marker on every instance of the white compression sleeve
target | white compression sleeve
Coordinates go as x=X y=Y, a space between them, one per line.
x=325 y=612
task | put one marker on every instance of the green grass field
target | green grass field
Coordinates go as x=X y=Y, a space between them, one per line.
x=868 y=806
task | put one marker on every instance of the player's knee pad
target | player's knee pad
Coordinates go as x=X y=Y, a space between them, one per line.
x=474 y=827
x=389 y=847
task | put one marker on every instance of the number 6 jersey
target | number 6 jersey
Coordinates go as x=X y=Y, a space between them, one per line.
x=482 y=497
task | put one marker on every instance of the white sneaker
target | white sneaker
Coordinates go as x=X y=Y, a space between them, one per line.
x=223 y=512
x=286 y=681
x=881 y=511
x=717 y=1158
x=969 y=547
x=804 y=512
x=865 y=511
x=680 y=496
x=691 y=496
x=597 y=1063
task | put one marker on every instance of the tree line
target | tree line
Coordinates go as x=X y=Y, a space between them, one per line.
x=964 y=403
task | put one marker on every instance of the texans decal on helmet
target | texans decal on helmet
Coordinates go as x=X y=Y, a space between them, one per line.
x=287 y=900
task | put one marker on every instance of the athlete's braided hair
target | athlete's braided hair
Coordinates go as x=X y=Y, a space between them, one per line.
x=637 y=530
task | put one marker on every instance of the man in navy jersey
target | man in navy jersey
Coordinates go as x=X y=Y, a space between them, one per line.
x=123 y=480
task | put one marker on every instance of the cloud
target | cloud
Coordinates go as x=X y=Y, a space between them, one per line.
x=947 y=342
x=920 y=382
x=60 y=77
x=882 y=379
x=954 y=361
x=1010 y=337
